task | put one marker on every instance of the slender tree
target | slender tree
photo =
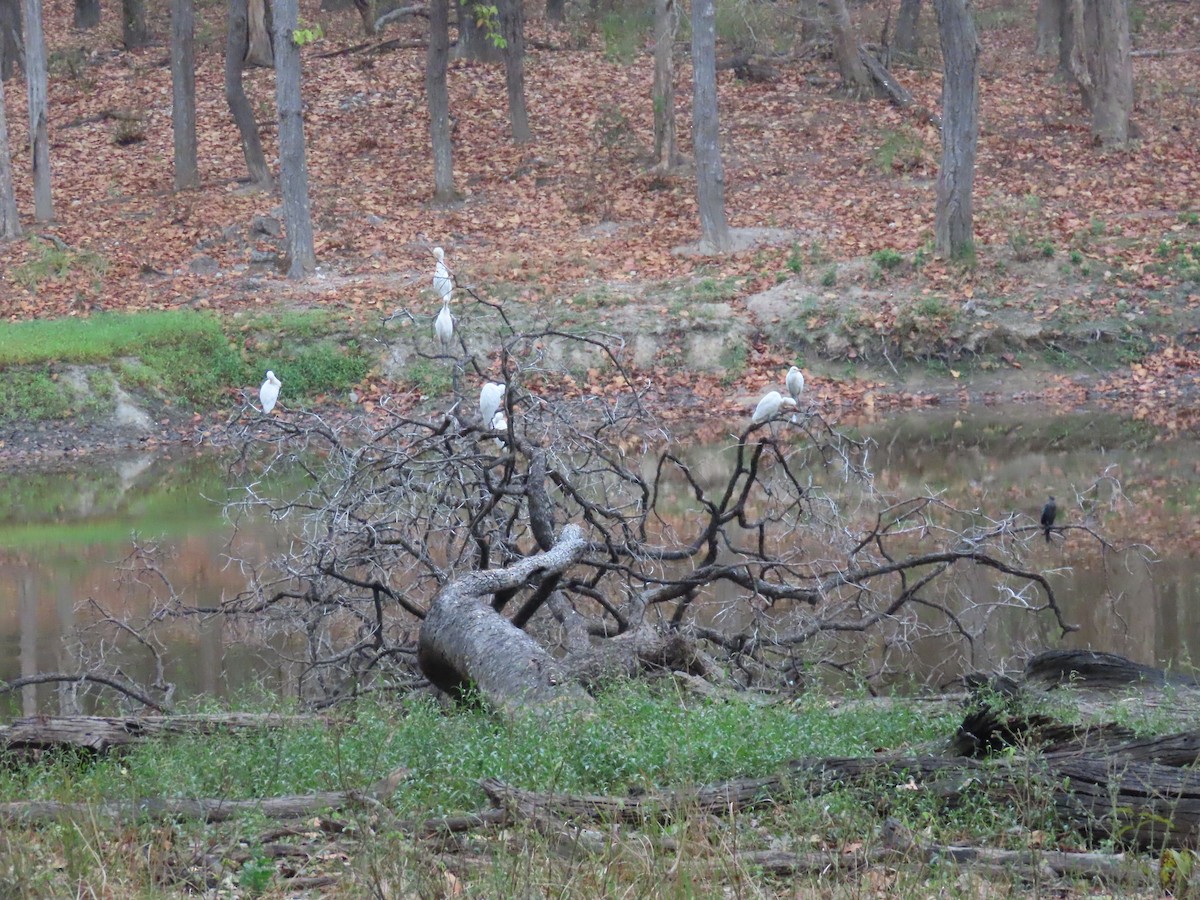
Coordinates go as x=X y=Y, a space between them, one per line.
x=556 y=11
x=437 y=95
x=474 y=38
x=855 y=77
x=39 y=114
x=1049 y=25
x=293 y=169
x=87 y=14
x=666 y=21
x=12 y=44
x=512 y=29
x=953 y=228
x=258 y=49
x=235 y=95
x=183 y=93
x=10 y=221
x=1106 y=77
x=710 y=174
x=134 y=31
x=909 y=17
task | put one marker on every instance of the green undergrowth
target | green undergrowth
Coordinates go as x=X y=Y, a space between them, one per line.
x=177 y=358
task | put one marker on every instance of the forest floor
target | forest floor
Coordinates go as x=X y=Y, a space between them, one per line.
x=1085 y=287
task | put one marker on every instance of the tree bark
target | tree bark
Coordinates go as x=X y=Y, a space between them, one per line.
x=39 y=115
x=1049 y=26
x=293 y=169
x=465 y=643
x=235 y=95
x=855 y=78
x=953 y=228
x=1109 y=95
x=437 y=95
x=100 y=734
x=87 y=14
x=12 y=43
x=258 y=49
x=134 y=32
x=512 y=29
x=1071 y=66
x=556 y=11
x=666 y=21
x=473 y=40
x=10 y=220
x=904 y=44
x=710 y=174
x=183 y=94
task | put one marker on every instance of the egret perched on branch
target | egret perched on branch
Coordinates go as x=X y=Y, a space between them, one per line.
x=1049 y=513
x=490 y=397
x=770 y=406
x=443 y=284
x=443 y=325
x=795 y=382
x=500 y=423
x=269 y=392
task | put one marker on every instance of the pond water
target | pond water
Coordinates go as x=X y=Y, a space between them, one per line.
x=65 y=536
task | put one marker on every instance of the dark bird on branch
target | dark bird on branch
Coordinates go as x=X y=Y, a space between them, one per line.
x=1049 y=512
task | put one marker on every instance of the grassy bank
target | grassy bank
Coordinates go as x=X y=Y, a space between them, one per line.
x=639 y=738
x=71 y=368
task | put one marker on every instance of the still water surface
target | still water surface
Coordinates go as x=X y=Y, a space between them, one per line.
x=63 y=536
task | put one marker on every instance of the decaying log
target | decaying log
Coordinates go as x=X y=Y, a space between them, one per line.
x=1093 y=669
x=100 y=734
x=464 y=642
x=895 y=91
x=41 y=812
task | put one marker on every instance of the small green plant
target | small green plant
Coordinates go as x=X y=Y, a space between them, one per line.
x=429 y=378
x=1046 y=249
x=256 y=875
x=128 y=131
x=901 y=150
x=622 y=32
x=829 y=277
x=733 y=361
x=1076 y=258
x=307 y=34
x=795 y=260
x=55 y=260
x=887 y=258
x=1189 y=218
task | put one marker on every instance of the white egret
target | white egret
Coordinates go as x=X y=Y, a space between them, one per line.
x=770 y=405
x=500 y=423
x=490 y=397
x=443 y=325
x=795 y=382
x=269 y=392
x=443 y=284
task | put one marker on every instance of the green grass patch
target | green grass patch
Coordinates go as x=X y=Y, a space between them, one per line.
x=54 y=261
x=100 y=337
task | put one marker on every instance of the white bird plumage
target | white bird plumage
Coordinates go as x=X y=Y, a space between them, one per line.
x=490 y=397
x=443 y=326
x=269 y=392
x=500 y=423
x=770 y=405
x=795 y=382
x=443 y=283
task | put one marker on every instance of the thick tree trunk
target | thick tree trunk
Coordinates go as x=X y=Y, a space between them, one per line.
x=953 y=227
x=12 y=43
x=666 y=21
x=512 y=28
x=235 y=94
x=134 y=32
x=1049 y=26
x=293 y=169
x=710 y=174
x=465 y=643
x=438 y=97
x=855 y=78
x=1109 y=96
x=904 y=44
x=258 y=49
x=1071 y=66
x=10 y=220
x=183 y=94
x=39 y=114
x=473 y=40
x=87 y=14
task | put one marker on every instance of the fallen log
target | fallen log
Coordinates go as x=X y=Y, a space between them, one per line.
x=895 y=91
x=100 y=734
x=1091 y=668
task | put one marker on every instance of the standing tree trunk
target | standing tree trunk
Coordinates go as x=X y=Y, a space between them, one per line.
x=134 y=33
x=474 y=43
x=666 y=20
x=1070 y=41
x=293 y=170
x=258 y=50
x=1049 y=25
x=437 y=95
x=10 y=220
x=12 y=45
x=556 y=11
x=710 y=175
x=39 y=132
x=855 y=77
x=87 y=14
x=954 y=236
x=512 y=29
x=1108 y=89
x=905 y=42
x=183 y=93
x=235 y=95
